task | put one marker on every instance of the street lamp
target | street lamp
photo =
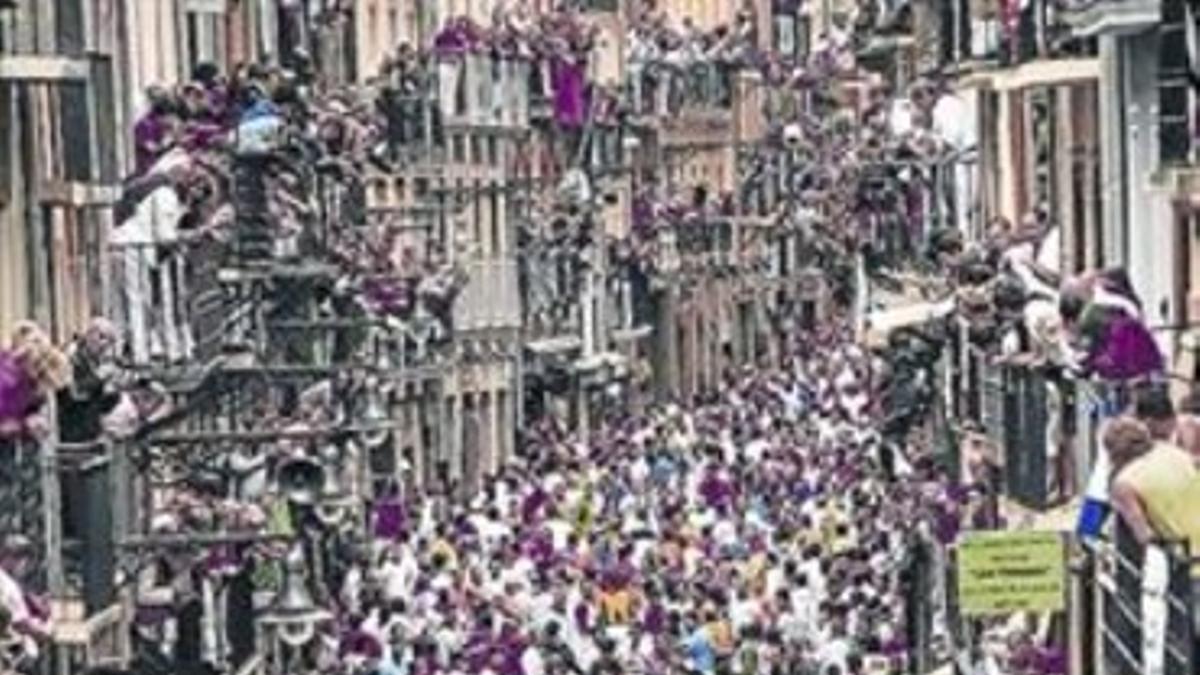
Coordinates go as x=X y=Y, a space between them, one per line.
x=375 y=413
x=335 y=500
x=292 y=618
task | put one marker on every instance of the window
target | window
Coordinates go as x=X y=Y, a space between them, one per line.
x=475 y=196
x=1174 y=127
x=802 y=33
x=459 y=82
x=784 y=27
x=76 y=131
x=493 y=151
x=68 y=24
x=205 y=38
x=476 y=150
x=8 y=151
x=494 y=219
x=459 y=146
x=106 y=124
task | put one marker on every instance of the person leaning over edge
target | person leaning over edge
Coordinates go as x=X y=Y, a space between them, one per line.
x=1155 y=489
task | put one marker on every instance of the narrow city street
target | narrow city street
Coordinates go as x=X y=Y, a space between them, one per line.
x=599 y=337
x=765 y=528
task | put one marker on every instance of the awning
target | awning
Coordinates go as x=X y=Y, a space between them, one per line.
x=881 y=323
x=591 y=364
x=632 y=334
x=1043 y=73
x=554 y=345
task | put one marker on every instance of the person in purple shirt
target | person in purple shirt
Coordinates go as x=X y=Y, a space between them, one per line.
x=155 y=131
x=18 y=395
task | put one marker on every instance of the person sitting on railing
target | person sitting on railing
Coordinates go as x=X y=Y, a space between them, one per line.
x=30 y=370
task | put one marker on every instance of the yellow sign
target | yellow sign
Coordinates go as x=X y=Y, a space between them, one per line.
x=1004 y=572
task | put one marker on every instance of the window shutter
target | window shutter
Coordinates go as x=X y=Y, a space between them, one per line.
x=68 y=25
x=106 y=124
x=8 y=152
x=1174 y=136
x=75 y=131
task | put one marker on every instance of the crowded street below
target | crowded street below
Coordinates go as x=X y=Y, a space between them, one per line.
x=767 y=528
x=599 y=337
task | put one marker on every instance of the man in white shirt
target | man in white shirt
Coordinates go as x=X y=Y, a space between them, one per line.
x=145 y=254
x=531 y=661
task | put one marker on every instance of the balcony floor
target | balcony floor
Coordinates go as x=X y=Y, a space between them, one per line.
x=1095 y=17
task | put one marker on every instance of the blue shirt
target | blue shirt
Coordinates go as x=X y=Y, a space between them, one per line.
x=700 y=651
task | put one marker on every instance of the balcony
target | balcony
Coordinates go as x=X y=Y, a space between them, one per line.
x=689 y=107
x=169 y=303
x=490 y=298
x=1089 y=18
x=482 y=90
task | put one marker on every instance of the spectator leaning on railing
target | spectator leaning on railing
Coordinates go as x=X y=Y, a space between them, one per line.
x=31 y=369
x=1155 y=485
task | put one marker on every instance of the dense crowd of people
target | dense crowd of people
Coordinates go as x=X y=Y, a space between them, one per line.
x=768 y=528
x=778 y=525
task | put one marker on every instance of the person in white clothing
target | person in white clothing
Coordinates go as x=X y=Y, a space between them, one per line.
x=25 y=626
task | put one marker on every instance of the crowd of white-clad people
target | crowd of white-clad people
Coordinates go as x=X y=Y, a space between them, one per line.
x=761 y=529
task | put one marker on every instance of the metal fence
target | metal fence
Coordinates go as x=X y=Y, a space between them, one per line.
x=21 y=511
x=1145 y=622
x=168 y=301
x=1014 y=410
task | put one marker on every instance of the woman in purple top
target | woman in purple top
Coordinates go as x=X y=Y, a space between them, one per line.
x=1126 y=351
x=18 y=395
x=389 y=518
x=570 y=91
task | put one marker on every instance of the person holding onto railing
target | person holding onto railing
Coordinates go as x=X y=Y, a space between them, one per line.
x=92 y=392
x=31 y=369
x=1155 y=485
